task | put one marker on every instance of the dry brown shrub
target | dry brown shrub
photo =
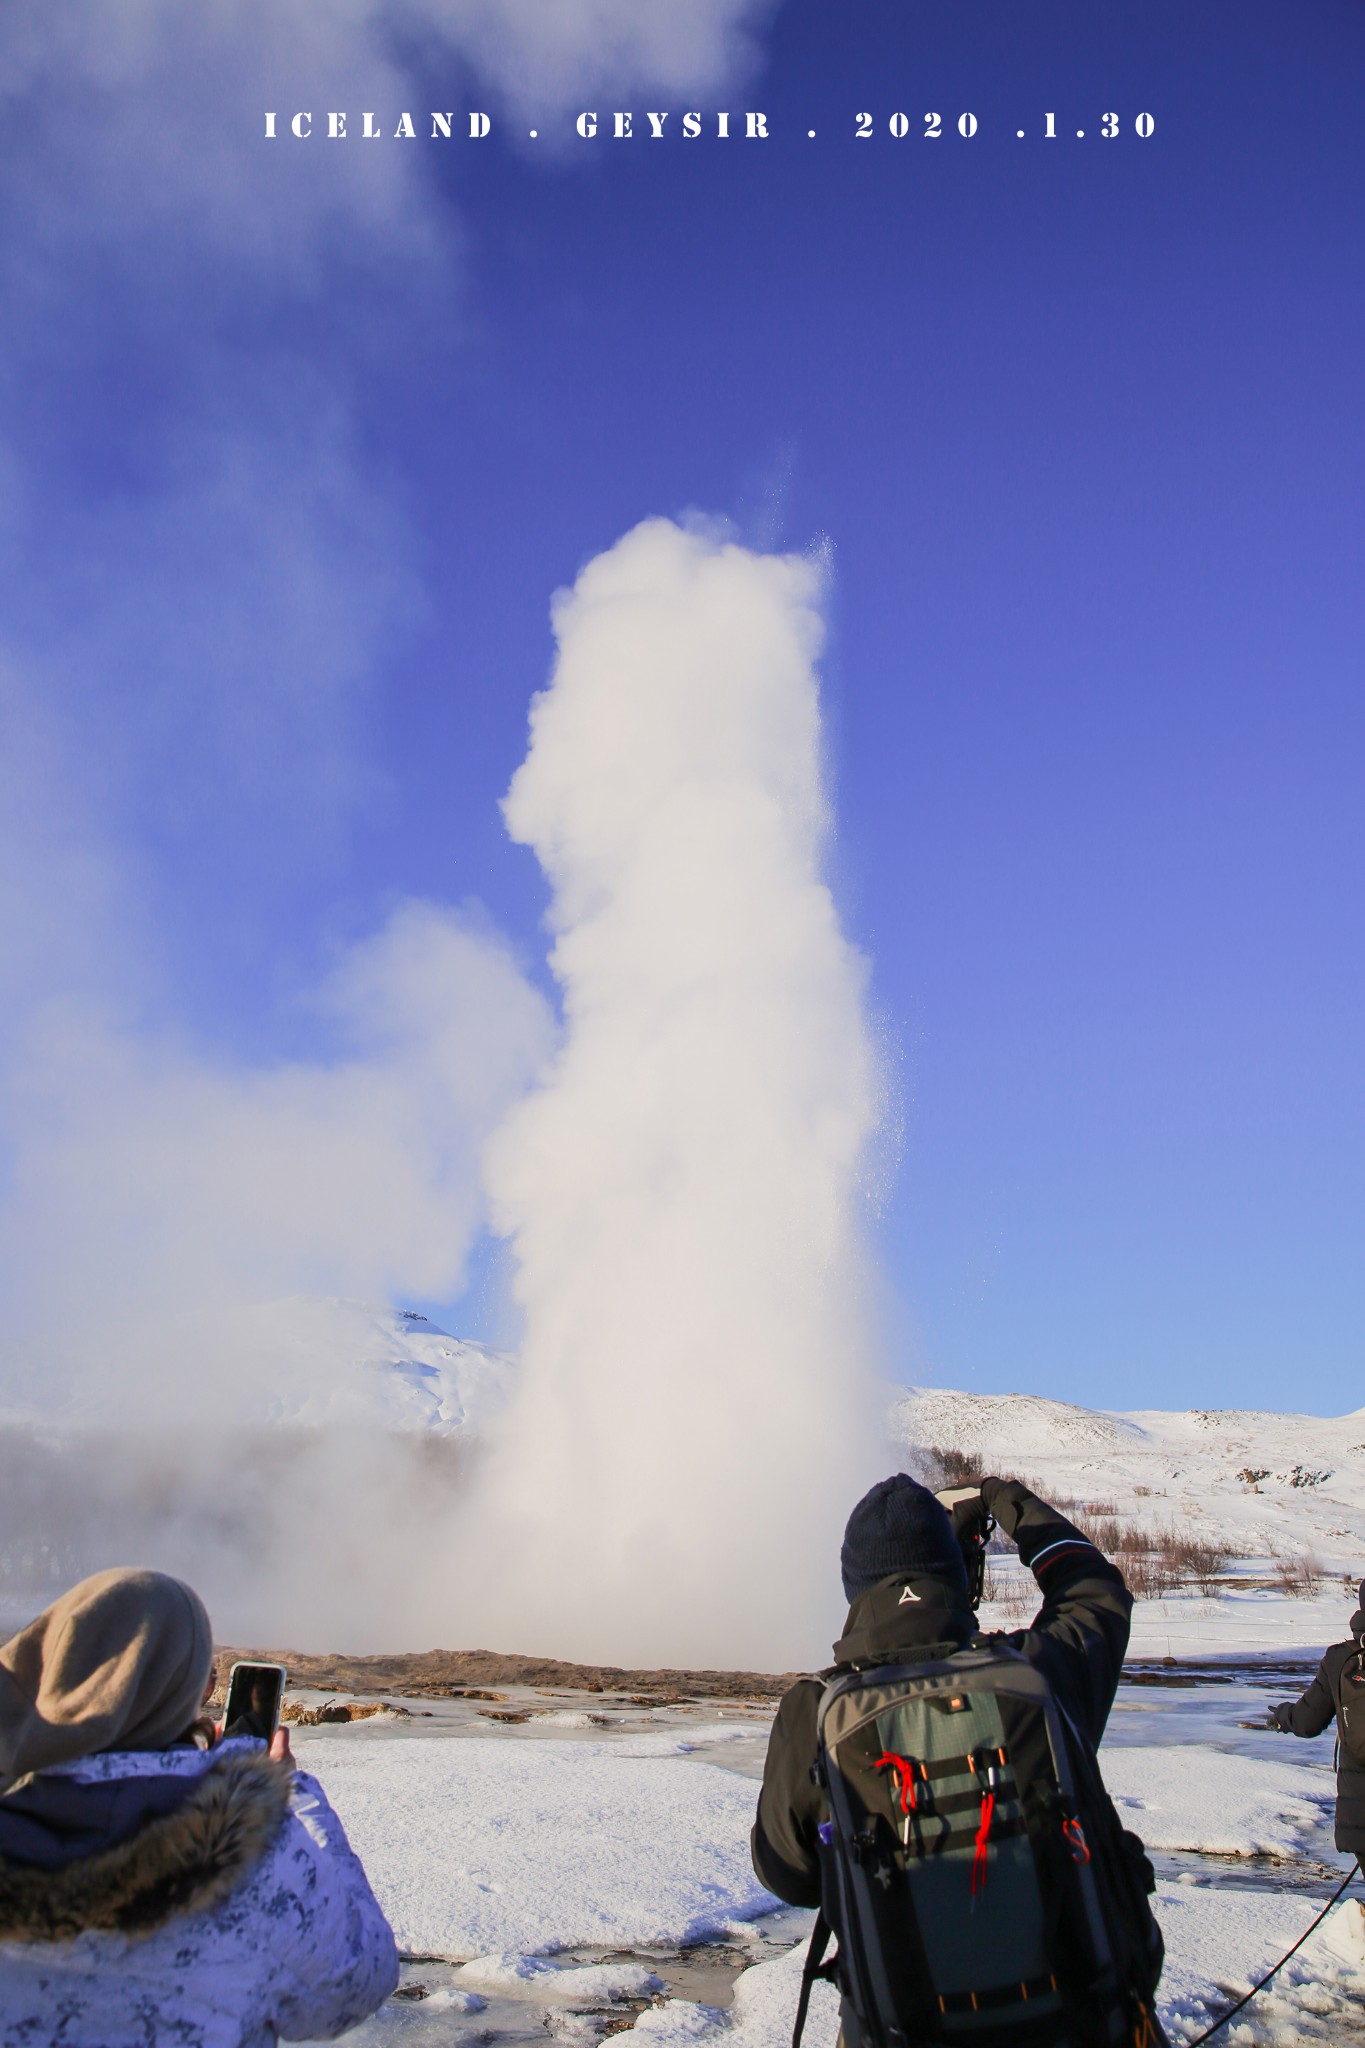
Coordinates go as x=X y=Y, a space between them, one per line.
x=1200 y=1559
x=1299 y=1577
x=1156 y=1557
x=1149 y=1576
x=959 y=1467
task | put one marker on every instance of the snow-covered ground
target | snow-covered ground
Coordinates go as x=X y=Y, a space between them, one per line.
x=570 y=1879
x=587 y=1871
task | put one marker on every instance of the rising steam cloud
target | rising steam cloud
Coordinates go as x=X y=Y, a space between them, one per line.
x=682 y=1188
x=159 y=1402
x=682 y=1192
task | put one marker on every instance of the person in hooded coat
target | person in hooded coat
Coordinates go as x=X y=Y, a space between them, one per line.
x=905 y=1578
x=153 y=1890
x=1315 y=1710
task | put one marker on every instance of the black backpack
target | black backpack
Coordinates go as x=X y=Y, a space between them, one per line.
x=972 y=1866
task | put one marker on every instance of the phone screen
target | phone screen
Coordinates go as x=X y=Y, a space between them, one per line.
x=255 y=1696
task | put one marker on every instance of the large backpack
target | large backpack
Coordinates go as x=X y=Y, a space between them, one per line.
x=972 y=1867
x=1351 y=1706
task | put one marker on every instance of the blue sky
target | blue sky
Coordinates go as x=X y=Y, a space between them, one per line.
x=298 y=444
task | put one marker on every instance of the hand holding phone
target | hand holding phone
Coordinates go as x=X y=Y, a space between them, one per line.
x=254 y=1698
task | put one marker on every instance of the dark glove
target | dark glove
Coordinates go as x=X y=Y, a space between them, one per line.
x=1005 y=1498
x=1278 y=1717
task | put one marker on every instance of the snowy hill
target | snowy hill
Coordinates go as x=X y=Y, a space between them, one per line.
x=352 y=1362
x=1280 y=1494
x=313 y=1362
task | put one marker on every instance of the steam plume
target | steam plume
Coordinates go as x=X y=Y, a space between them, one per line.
x=683 y=1190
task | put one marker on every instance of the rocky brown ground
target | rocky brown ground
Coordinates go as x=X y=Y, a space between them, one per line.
x=454 y=1673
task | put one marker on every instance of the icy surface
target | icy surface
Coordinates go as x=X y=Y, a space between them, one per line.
x=561 y=1875
x=1176 y=1797
x=765 y=2007
x=586 y=1984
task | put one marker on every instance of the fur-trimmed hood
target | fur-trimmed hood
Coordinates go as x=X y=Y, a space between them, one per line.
x=182 y=1862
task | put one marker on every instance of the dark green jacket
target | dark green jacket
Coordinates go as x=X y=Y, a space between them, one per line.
x=1078 y=1639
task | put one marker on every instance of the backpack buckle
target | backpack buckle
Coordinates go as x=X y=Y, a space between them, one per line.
x=988 y=1768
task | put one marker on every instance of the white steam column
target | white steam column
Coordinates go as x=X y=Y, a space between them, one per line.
x=694 y=1416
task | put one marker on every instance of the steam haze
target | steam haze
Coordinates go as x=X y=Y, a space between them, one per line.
x=683 y=1191
x=249 y=1051
x=681 y=1181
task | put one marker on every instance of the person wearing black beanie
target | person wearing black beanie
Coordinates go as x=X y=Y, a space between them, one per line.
x=905 y=1575
x=899 y=1527
x=1338 y=1693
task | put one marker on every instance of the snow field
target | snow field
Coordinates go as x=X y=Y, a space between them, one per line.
x=1219 y=1941
x=500 y=1852
x=481 y=1848
x=1177 y=1796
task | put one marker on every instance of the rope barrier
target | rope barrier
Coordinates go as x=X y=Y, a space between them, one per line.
x=1233 y=2010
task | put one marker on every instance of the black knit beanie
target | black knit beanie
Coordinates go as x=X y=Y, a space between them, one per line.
x=899 y=1527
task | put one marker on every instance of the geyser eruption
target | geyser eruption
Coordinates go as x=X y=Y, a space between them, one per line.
x=694 y=1415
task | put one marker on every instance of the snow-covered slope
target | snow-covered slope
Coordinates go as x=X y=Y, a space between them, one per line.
x=1272 y=1490
x=1260 y=1481
x=303 y=1361
x=390 y=1369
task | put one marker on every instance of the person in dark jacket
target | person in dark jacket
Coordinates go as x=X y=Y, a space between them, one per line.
x=1315 y=1710
x=906 y=1583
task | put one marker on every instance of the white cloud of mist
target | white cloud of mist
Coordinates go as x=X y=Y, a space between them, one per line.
x=167 y=100
x=694 y=1412
x=197 y=609
x=160 y=1403
x=155 y=1195
x=683 y=1187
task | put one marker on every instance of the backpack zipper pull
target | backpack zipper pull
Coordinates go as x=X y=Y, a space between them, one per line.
x=988 y=1775
x=903 y=1768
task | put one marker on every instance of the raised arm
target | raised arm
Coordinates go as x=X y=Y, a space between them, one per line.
x=1080 y=1633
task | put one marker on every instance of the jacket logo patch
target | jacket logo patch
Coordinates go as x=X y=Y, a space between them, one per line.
x=908 y=1594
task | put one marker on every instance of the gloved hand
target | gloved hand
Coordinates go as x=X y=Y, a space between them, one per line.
x=1005 y=1499
x=1278 y=1717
